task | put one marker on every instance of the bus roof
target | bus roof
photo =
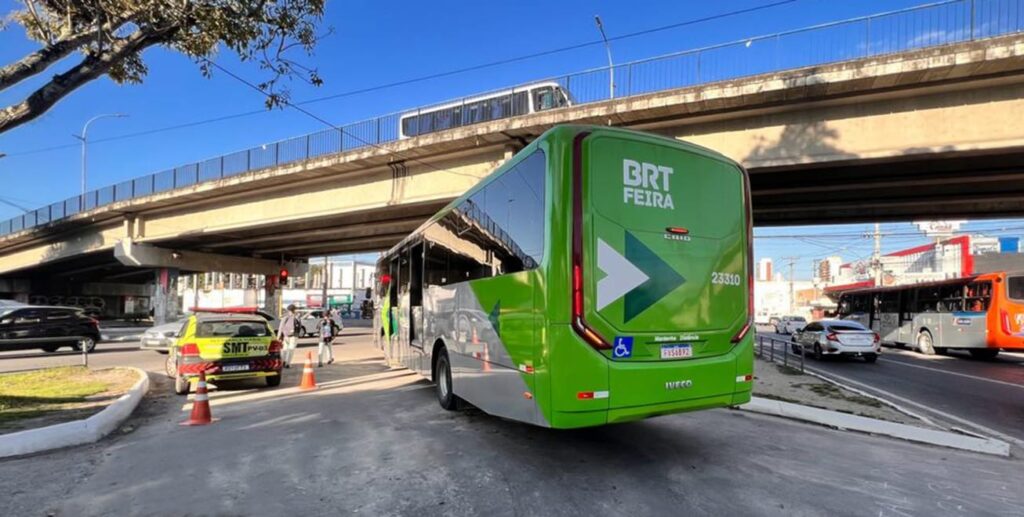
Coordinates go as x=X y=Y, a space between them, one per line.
x=937 y=283
x=479 y=97
x=564 y=130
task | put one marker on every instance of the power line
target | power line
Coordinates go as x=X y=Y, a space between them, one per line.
x=328 y=124
x=419 y=79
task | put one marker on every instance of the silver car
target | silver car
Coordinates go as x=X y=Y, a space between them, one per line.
x=790 y=324
x=309 y=322
x=837 y=337
x=161 y=337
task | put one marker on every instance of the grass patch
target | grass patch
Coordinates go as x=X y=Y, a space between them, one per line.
x=831 y=391
x=38 y=393
x=788 y=370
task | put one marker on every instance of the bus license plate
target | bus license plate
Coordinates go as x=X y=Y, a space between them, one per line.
x=235 y=368
x=676 y=351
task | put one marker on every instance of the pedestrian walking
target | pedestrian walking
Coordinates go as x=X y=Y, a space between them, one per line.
x=288 y=332
x=328 y=329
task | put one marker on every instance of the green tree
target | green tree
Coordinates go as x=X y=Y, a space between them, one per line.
x=111 y=35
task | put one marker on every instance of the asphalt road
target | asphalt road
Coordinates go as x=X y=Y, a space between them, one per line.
x=989 y=393
x=373 y=441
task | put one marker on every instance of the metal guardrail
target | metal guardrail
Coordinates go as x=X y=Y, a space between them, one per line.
x=788 y=356
x=941 y=23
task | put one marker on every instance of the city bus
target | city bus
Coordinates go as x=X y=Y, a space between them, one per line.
x=598 y=276
x=980 y=314
x=522 y=100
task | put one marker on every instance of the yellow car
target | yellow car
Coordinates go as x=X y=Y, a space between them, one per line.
x=227 y=346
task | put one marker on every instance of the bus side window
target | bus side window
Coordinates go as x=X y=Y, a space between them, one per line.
x=979 y=296
x=410 y=125
x=520 y=103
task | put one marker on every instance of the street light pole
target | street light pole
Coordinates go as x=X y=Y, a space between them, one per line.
x=84 y=137
x=611 y=65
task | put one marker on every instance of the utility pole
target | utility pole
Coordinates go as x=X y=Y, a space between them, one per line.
x=325 y=278
x=791 y=261
x=876 y=258
x=815 y=275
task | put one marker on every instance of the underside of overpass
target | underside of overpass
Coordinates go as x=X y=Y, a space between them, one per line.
x=929 y=134
x=975 y=185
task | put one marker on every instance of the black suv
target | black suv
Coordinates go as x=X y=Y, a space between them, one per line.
x=26 y=327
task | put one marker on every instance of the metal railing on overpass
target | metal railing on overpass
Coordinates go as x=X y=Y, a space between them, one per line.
x=941 y=23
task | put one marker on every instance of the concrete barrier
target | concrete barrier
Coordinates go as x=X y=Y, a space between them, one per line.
x=879 y=427
x=79 y=431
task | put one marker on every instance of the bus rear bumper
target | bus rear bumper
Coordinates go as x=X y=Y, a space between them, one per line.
x=638 y=390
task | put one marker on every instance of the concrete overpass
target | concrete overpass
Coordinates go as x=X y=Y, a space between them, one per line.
x=926 y=133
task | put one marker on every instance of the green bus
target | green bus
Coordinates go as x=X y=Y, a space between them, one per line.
x=600 y=275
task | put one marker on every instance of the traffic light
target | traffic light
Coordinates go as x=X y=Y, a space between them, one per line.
x=283 y=275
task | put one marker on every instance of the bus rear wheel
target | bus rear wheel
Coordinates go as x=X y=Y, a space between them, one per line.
x=984 y=353
x=443 y=382
x=925 y=343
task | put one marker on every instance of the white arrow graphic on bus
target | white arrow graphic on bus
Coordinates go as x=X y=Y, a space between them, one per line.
x=621 y=276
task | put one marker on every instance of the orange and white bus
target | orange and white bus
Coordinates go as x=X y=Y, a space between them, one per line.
x=980 y=313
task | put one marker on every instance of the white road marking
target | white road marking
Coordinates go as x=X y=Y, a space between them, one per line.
x=940 y=370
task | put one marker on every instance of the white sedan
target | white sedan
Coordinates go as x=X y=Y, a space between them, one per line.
x=837 y=337
x=790 y=324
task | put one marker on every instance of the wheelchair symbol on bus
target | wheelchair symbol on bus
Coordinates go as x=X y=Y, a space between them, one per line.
x=623 y=347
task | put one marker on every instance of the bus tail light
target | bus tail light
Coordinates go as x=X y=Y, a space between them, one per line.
x=579 y=323
x=577 y=291
x=1004 y=317
x=190 y=349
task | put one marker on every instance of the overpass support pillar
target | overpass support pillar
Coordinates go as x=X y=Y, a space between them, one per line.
x=272 y=295
x=165 y=296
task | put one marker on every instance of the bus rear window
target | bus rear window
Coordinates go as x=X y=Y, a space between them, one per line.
x=232 y=329
x=1015 y=287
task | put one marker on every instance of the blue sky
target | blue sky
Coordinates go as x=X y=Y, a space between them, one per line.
x=370 y=45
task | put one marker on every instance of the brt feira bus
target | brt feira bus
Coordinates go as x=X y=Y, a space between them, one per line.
x=600 y=275
x=980 y=314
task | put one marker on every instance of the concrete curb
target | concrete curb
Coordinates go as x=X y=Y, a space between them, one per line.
x=879 y=427
x=79 y=431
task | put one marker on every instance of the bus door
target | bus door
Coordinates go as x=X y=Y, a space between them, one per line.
x=402 y=286
x=907 y=301
x=416 y=296
x=887 y=317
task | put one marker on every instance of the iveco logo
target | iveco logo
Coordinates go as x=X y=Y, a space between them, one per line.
x=678 y=385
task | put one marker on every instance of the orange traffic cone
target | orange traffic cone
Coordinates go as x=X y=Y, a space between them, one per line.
x=200 y=404
x=308 y=379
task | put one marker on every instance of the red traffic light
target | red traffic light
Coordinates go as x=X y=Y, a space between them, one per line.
x=283 y=275
x=385 y=279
